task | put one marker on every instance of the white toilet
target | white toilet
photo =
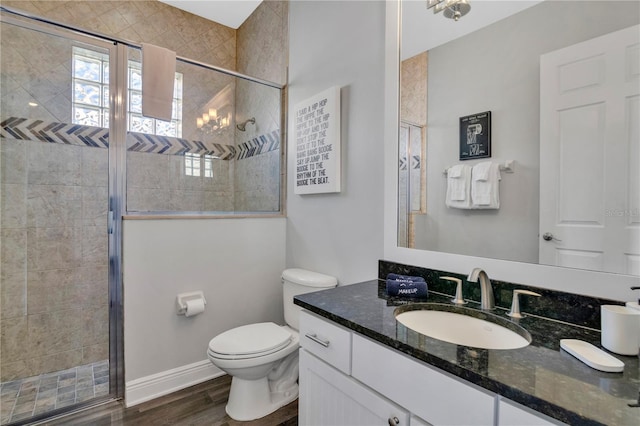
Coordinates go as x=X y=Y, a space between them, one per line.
x=263 y=358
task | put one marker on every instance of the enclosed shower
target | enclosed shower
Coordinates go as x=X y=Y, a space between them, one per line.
x=77 y=156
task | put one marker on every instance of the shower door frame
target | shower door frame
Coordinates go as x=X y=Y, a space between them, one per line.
x=116 y=181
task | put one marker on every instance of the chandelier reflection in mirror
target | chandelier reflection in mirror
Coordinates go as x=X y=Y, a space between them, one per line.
x=453 y=9
x=211 y=123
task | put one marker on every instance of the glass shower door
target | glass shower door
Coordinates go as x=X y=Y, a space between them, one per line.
x=54 y=204
x=411 y=183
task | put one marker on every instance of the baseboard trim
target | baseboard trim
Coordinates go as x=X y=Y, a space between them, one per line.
x=150 y=387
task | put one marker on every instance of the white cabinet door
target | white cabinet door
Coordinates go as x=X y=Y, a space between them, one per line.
x=328 y=397
x=512 y=414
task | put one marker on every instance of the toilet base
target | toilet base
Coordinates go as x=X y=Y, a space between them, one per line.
x=253 y=399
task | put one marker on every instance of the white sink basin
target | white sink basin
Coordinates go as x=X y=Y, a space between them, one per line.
x=465 y=330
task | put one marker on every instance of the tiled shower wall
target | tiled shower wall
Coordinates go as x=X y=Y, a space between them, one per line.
x=413 y=94
x=262 y=42
x=413 y=113
x=156 y=178
x=157 y=182
x=54 y=257
x=53 y=289
x=54 y=245
x=147 y=21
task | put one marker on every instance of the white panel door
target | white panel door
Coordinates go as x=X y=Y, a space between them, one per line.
x=328 y=397
x=590 y=155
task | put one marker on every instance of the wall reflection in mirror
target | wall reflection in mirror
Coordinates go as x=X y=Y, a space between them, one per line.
x=562 y=82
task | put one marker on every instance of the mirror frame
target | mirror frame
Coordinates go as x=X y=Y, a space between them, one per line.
x=577 y=281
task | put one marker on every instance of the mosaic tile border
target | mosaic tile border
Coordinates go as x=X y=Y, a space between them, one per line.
x=98 y=137
x=53 y=132
x=259 y=145
x=415 y=162
x=142 y=142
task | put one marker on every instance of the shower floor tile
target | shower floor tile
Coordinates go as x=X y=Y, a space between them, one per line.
x=24 y=398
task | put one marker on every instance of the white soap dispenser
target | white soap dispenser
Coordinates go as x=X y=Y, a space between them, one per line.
x=636 y=306
x=636 y=303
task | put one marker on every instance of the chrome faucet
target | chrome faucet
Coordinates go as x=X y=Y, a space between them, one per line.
x=486 y=291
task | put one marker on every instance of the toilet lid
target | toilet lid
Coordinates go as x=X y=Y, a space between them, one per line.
x=252 y=339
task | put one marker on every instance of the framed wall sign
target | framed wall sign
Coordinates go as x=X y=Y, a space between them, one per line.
x=317 y=137
x=475 y=136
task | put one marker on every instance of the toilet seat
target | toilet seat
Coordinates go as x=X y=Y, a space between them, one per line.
x=249 y=341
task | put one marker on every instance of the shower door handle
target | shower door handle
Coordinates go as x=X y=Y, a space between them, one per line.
x=110 y=222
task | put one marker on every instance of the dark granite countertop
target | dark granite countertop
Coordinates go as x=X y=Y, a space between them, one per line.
x=540 y=376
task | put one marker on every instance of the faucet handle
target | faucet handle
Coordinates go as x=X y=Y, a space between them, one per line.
x=515 y=303
x=458 y=300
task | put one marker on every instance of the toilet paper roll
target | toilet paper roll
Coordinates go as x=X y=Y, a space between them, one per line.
x=194 y=307
x=620 y=329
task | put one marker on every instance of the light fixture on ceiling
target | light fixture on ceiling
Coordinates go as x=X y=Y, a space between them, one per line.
x=210 y=122
x=453 y=9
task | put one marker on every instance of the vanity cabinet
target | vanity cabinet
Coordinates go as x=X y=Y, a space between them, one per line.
x=354 y=380
x=348 y=379
x=433 y=395
x=512 y=414
x=329 y=397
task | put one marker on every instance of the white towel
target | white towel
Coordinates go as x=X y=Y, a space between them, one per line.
x=458 y=187
x=158 y=76
x=455 y=171
x=481 y=171
x=485 y=186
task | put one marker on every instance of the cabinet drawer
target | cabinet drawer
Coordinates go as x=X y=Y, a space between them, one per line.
x=326 y=340
x=433 y=395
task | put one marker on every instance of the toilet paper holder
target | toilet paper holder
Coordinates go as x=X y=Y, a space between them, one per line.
x=182 y=298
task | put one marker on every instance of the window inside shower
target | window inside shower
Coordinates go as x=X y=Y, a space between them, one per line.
x=90 y=82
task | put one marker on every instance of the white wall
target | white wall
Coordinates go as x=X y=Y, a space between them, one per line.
x=236 y=262
x=597 y=284
x=339 y=43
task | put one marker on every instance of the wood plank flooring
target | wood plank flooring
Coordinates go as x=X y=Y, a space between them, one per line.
x=201 y=404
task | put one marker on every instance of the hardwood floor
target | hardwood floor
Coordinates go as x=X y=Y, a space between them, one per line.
x=201 y=404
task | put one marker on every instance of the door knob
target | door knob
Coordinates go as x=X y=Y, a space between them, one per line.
x=548 y=236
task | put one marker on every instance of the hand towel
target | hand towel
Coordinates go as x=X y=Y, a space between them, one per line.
x=485 y=186
x=158 y=76
x=455 y=171
x=398 y=277
x=481 y=171
x=406 y=286
x=458 y=187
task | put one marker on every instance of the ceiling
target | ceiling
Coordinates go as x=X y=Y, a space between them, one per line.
x=423 y=30
x=231 y=13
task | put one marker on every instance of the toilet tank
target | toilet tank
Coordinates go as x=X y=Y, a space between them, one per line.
x=300 y=281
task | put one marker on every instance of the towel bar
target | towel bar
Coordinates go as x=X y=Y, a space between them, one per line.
x=506 y=167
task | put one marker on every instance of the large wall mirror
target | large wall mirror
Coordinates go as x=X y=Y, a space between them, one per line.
x=562 y=82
